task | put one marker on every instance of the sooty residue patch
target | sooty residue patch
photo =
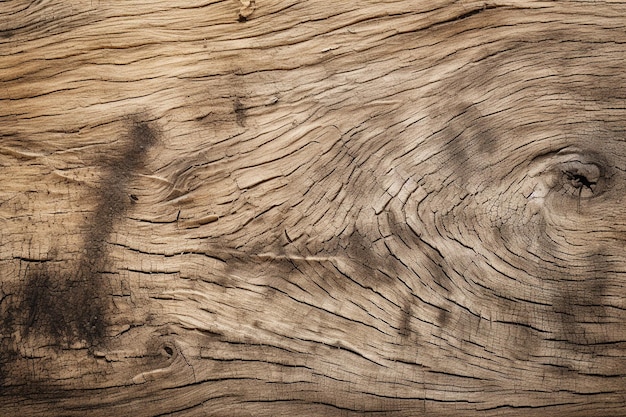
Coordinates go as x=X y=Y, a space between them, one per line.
x=64 y=309
x=67 y=305
x=240 y=112
x=113 y=198
x=405 y=321
x=113 y=202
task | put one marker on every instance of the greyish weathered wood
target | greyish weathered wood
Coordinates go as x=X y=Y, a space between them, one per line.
x=280 y=207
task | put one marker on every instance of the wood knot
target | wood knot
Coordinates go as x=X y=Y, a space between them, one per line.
x=246 y=9
x=572 y=173
x=579 y=178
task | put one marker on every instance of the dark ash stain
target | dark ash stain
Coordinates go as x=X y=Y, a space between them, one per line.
x=580 y=304
x=63 y=309
x=66 y=305
x=113 y=202
x=443 y=317
x=113 y=196
x=367 y=267
x=405 y=322
x=240 y=112
x=470 y=142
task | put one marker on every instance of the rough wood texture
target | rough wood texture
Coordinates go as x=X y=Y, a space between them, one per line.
x=281 y=207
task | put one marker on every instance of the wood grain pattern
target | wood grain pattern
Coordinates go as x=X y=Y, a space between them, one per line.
x=273 y=207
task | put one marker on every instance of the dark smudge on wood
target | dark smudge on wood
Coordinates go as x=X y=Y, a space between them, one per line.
x=240 y=112
x=66 y=305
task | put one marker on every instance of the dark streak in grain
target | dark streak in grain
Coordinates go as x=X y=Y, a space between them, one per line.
x=463 y=16
x=240 y=112
x=66 y=305
x=405 y=322
x=474 y=12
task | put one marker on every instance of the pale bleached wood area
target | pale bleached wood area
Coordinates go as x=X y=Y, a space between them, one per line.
x=312 y=208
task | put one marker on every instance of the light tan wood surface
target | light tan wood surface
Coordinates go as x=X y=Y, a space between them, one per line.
x=307 y=208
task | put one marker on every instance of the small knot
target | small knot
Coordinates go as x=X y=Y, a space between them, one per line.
x=247 y=7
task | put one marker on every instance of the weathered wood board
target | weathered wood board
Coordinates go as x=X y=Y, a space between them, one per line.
x=280 y=207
